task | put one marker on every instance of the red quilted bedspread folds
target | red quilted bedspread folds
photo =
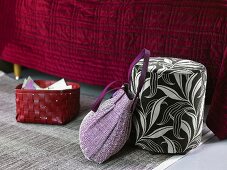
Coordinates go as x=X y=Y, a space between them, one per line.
x=217 y=117
x=94 y=41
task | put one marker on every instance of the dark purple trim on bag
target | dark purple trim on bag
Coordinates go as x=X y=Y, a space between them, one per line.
x=143 y=54
x=146 y=55
x=102 y=95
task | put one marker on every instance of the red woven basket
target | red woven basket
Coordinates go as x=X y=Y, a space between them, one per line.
x=47 y=106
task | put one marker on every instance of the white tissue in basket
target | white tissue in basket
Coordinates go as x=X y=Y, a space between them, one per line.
x=29 y=84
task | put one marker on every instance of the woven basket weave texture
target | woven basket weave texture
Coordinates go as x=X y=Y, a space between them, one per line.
x=47 y=106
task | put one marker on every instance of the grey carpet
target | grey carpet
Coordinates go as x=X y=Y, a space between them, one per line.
x=35 y=146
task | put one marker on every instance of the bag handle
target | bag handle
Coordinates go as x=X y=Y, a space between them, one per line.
x=143 y=54
x=102 y=95
x=146 y=55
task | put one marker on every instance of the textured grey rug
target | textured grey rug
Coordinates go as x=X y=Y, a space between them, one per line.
x=34 y=146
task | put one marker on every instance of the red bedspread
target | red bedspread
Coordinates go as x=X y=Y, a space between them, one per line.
x=94 y=41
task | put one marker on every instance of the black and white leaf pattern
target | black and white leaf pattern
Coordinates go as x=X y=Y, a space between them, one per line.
x=194 y=142
x=197 y=86
x=166 y=79
x=169 y=113
x=199 y=127
x=182 y=71
x=161 y=71
x=178 y=78
x=193 y=117
x=189 y=84
x=137 y=126
x=171 y=146
x=151 y=146
x=178 y=146
x=171 y=93
x=155 y=111
x=152 y=85
x=200 y=108
x=149 y=106
x=142 y=120
x=187 y=129
x=174 y=108
x=159 y=132
x=177 y=124
x=136 y=75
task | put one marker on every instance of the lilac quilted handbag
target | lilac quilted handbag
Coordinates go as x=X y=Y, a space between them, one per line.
x=106 y=128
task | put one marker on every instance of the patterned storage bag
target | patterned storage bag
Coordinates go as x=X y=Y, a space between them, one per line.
x=169 y=113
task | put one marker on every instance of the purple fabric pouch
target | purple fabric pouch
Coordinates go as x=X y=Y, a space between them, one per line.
x=106 y=128
x=104 y=132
